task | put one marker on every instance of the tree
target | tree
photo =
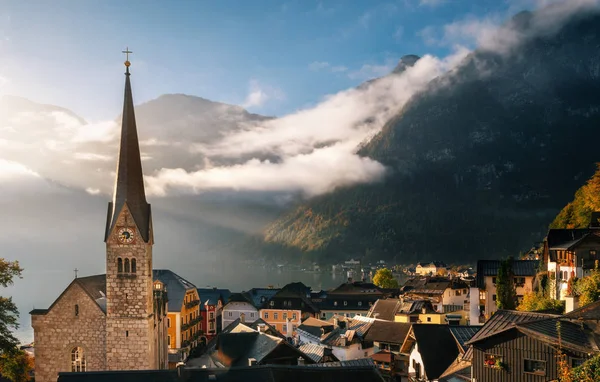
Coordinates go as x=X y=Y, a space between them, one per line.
x=588 y=371
x=8 y=310
x=16 y=365
x=385 y=279
x=536 y=301
x=588 y=288
x=506 y=295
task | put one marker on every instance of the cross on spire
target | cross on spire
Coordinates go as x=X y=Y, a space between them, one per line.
x=75 y=270
x=127 y=51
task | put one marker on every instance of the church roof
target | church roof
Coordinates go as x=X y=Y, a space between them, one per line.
x=94 y=286
x=129 y=186
x=176 y=287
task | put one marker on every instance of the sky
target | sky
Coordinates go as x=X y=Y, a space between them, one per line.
x=272 y=57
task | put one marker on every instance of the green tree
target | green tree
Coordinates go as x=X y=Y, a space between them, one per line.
x=506 y=294
x=588 y=288
x=385 y=279
x=577 y=213
x=8 y=310
x=536 y=301
x=16 y=365
x=589 y=371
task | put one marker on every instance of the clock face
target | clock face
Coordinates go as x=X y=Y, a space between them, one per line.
x=125 y=235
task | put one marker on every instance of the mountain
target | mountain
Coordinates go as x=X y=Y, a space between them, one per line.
x=478 y=163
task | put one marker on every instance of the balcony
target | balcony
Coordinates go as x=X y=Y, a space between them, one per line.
x=191 y=304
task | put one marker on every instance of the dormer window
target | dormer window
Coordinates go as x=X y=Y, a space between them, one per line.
x=335 y=303
x=345 y=303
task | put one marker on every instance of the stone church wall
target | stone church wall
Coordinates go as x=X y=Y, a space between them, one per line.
x=57 y=332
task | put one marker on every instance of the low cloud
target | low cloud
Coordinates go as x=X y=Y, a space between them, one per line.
x=259 y=94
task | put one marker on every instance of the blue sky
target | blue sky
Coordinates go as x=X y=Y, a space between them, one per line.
x=289 y=53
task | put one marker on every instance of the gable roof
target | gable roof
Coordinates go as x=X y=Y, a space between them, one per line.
x=519 y=267
x=430 y=339
x=385 y=309
x=316 y=352
x=176 y=285
x=210 y=296
x=94 y=286
x=506 y=319
x=313 y=326
x=462 y=334
x=356 y=328
x=572 y=335
x=557 y=237
x=260 y=296
x=388 y=332
x=458 y=370
x=586 y=312
x=356 y=287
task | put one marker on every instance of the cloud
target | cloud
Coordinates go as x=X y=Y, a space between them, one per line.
x=322 y=65
x=9 y=170
x=370 y=71
x=313 y=150
x=259 y=94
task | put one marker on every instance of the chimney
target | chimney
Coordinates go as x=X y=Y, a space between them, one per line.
x=242 y=318
x=474 y=306
x=301 y=361
x=290 y=329
x=251 y=361
x=423 y=310
x=343 y=341
x=571 y=303
x=335 y=322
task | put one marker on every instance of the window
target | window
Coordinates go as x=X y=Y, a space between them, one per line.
x=77 y=360
x=284 y=330
x=133 y=265
x=127 y=333
x=577 y=362
x=345 y=303
x=211 y=315
x=492 y=360
x=535 y=367
x=494 y=298
x=294 y=316
x=251 y=314
x=593 y=253
x=458 y=293
x=366 y=354
x=285 y=316
x=360 y=303
x=266 y=315
x=494 y=280
x=428 y=319
x=127 y=266
x=230 y=314
x=181 y=320
x=335 y=303
x=275 y=316
x=169 y=341
x=76 y=310
x=272 y=303
x=168 y=323
x=211 y=326
x=119 y=265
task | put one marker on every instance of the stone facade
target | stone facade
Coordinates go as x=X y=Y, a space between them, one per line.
x=62 y=329
x=130 y=325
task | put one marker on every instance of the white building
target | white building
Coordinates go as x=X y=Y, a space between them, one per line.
x=238 y=304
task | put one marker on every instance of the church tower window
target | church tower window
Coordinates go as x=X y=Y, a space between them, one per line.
x=119 y=265
x=77 y=360
x=126 y=265
x=133 y=265
x=76 y=310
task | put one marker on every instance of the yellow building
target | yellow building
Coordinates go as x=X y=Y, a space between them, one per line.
x=183 y=319
x=281 y=319
x=288 y=307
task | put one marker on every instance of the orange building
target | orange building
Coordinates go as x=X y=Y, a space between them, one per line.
x=183 y=319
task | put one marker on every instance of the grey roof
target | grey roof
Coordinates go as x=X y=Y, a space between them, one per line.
x=129 y=187
x=210 y=296
x=491 y=267
x=356 y=328
x=256 y=295
x=313 y=326
x=314 y=351
x=573 y=335
x=388 y=332
x=385 y=309
x=360 y=362
x=587 y=312
x=506 y=319
x=94 y=286
x=176 y=287
x=410 y=307
x=462 y=334
x=459 y=370
x=556 y=237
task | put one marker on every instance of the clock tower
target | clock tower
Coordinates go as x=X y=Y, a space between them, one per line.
x=132 y=339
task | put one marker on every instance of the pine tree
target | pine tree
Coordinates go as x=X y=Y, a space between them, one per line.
x=506 y=294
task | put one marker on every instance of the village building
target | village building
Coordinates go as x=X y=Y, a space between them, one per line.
x=430 y=269
x=311 y=331
x=288 y=307
x=524 y=272
x=183 y=320
x=431 y=349
x=524 y=346
x=350 y=299
x=116 y=321
x=385 y=309
x=569 y=253
x=246 y=304
x=460 y=369
x=387 y=338
x=211 y=310
x=318 y=353
x=347 y=339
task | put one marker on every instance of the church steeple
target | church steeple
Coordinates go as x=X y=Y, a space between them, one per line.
x=129 y=185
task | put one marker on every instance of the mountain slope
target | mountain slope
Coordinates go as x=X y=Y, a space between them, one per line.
x=478 y=163
x=577 y=213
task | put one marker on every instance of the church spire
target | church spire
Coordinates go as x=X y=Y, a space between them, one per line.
x=129 y=185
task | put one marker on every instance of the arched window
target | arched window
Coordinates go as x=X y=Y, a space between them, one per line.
x=119 y=265
x=126 y=265
x=77 y=359
x=133 y=266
